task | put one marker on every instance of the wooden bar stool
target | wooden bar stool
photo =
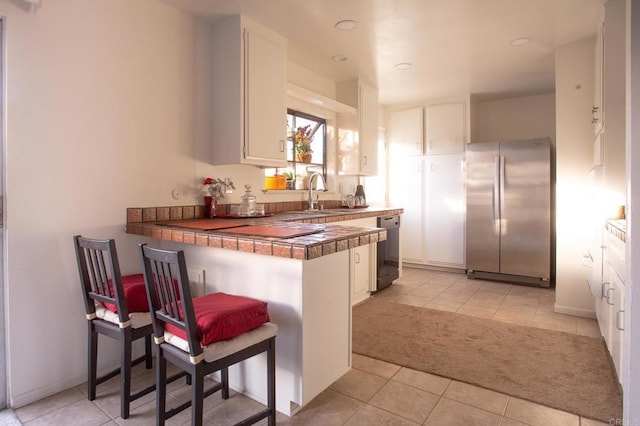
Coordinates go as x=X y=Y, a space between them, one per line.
x=117 y=307
x=203 y=335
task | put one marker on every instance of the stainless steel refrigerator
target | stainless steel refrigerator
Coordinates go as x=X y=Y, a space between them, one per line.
x=509 y=218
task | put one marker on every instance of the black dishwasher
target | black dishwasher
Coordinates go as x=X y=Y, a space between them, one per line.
x=388 y=252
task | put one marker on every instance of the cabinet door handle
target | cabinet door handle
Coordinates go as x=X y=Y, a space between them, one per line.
x=603 y=291
x=357 y=258
x=594 y=109
x=364 y=160
x=281 y=145
x=620 y=320
x=609 y=296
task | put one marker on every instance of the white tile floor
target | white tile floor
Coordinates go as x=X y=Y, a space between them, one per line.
x=373 y=392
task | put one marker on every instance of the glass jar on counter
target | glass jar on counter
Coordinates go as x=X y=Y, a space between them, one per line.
x=248 y=203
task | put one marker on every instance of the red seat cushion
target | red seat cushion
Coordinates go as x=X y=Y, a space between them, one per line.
x=134 y=293
x=221 y=316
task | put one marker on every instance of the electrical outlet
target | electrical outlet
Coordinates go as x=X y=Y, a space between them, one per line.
x=197 y=281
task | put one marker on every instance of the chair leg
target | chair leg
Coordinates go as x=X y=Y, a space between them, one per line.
x=147 y=352
x=92 y=361
x=271 y=382
x=125 y=372
x=161 y=387
x=224 y=376
x=197 y=397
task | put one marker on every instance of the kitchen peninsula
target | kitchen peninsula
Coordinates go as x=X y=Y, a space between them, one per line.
x=299 y=262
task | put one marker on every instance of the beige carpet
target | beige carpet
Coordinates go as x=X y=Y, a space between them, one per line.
x=560 y=370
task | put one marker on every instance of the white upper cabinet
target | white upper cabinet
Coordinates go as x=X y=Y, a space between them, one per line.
x=250 y=115
x=597 y=111
x=364 y=98
x=445 y=128
x=405 y=130
x=613 y=115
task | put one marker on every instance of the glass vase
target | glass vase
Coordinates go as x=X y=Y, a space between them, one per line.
x=210 y=206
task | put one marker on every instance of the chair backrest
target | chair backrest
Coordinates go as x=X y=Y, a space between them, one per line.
x=169 y=294
x=100 y=275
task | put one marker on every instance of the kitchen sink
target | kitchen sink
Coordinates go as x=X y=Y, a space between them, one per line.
x=314 y=212
x=346 y=210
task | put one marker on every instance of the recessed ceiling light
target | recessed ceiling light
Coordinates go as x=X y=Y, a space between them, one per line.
x=403 y=66
x=346 y=25
x=520 y=41
x=339 y=58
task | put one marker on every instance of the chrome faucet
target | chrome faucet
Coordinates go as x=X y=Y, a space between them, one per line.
x=312 y=203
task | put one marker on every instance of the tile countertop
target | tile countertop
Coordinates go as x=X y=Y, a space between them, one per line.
x=329 y=237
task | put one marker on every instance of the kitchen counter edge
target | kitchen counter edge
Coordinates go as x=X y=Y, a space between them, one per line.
x=148 y=222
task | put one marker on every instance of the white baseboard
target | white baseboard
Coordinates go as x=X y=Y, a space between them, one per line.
x=17 y=401
x=583 y=313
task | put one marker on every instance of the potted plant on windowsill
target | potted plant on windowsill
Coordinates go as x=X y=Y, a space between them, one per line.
x=302 y=141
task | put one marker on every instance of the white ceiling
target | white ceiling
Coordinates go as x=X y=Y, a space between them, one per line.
x=455 y=46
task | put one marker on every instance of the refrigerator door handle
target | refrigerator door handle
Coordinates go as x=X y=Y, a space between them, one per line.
x=501 y=193
x=495 y=199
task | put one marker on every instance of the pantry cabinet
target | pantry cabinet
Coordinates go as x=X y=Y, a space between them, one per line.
x=430 y=187
x=445 y=210
x=406 y=189
x=363 y=156
x=249 y=111
x=445 y=128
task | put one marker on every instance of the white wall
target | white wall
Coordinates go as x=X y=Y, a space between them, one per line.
x=107 y=108
x=574 y=159
x=100 y=117
x=524 y=117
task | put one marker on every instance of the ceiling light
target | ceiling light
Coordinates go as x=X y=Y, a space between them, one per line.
x=346 y=25
x=339 y=58
x=520 y=41
x=403 y=66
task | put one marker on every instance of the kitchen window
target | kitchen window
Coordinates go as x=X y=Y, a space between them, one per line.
x=306 y=149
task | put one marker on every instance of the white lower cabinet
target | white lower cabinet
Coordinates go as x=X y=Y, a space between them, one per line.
x=362 y=263
x=610 y=302
x=360 y=273
x=616 y=322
